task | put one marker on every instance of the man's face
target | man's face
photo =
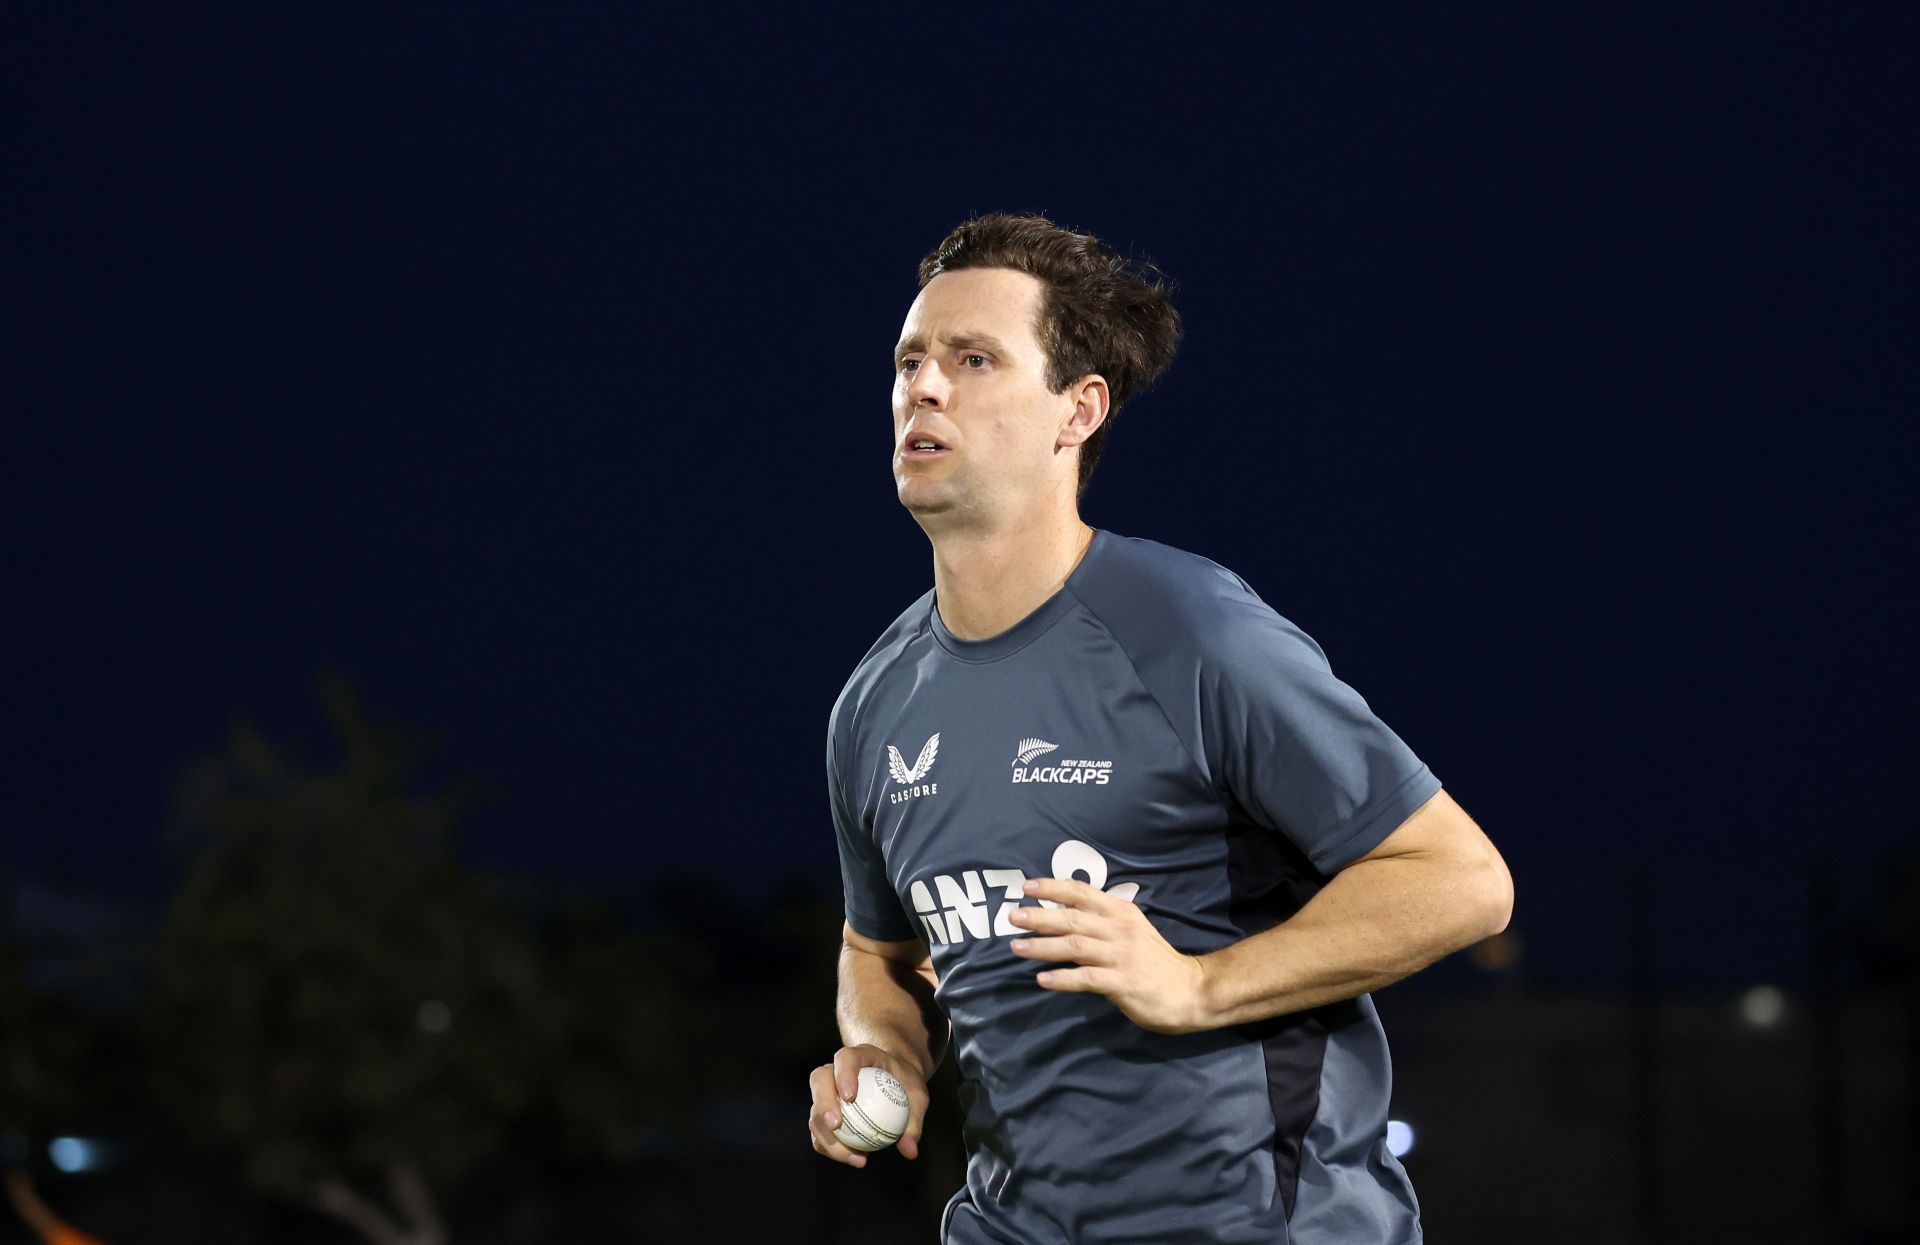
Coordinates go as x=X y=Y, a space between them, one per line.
x=970 y=376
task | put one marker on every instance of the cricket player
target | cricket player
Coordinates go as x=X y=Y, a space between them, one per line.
x=1108 y=823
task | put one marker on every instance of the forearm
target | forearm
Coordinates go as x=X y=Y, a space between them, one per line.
x=888 y=1004
x=1372 y=924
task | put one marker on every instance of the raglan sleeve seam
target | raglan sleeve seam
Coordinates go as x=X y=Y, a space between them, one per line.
x=1360 y=831
x=1197 y=760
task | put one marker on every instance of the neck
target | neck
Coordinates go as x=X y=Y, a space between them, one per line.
x=984 y=582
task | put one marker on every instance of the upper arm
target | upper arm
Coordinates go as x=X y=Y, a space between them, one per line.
x=867 y=892
x=911 y=952
x=1295 y=747
x=1441 y=833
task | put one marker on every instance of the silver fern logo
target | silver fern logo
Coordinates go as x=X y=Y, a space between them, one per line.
x=897 y=765
x=1027 y=749
x=1059 y=769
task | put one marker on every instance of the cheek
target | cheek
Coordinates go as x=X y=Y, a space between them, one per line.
x=1025 y=434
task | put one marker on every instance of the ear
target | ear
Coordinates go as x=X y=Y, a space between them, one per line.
x=1089 y=397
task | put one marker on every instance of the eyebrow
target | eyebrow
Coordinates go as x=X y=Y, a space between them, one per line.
x=961 y=341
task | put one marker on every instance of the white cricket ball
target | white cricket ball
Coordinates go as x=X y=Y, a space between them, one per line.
x=877 y=1115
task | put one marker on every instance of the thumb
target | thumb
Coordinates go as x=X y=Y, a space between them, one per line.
x=909 y=1143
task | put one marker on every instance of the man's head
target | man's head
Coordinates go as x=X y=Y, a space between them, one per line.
x=1024 y=343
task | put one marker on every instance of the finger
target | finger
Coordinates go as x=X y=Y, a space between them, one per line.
x=1071 y=948
x=1068 y=893
x=847 y=1062
x=824 y=1142
x=1078 y=980
x=1050 y=920
x=917 y=1099
x=826 y=1101
x=824 y=1117
x=829 y=1145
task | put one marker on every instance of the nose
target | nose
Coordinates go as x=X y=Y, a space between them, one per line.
x=928 y=386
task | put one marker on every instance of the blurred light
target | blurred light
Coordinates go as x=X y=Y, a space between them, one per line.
x=71 y=1154
x=1499 y=954
x=1763 y=1006
x=434 y=1016
x=1399 y=1137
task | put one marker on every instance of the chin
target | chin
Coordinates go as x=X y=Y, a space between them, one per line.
x=925 y=505
x=923 y=501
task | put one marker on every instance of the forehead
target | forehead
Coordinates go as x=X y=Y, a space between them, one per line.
x=998 y=301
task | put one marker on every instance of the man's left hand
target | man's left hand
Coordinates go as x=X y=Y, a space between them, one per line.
x=1119 y=953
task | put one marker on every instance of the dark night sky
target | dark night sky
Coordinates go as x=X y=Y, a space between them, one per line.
x=1555 y=370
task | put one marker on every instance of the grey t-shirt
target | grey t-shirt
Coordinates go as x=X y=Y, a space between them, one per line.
x=1153 y=728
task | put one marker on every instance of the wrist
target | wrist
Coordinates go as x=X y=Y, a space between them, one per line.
x=1205 y=1008
x=905 y=1052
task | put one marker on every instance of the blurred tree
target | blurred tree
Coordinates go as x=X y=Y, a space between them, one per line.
x=57 y=1057
x=621 y=1025
x=336 y=997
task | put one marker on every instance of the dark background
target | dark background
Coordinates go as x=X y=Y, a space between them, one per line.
x=522 y=372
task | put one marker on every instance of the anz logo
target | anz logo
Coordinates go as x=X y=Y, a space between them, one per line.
x=954 y=909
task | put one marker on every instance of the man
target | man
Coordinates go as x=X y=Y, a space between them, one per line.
x=1107 y=811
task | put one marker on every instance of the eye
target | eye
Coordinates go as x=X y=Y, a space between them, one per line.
x=909 y=366
x=972 y=359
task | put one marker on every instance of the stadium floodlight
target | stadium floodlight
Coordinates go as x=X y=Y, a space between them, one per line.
x=1763 y=1007
x=73 y=1154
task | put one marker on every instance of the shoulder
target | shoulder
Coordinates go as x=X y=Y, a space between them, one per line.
x=881 y=657
x=1163 y=603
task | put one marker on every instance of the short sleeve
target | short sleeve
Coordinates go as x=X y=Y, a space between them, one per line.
x=873 y=907
x=1298 y=749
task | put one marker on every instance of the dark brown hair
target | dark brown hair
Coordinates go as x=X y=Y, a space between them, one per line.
x=1099 y=311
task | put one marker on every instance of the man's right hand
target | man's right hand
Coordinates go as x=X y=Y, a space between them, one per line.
x=835 y=1084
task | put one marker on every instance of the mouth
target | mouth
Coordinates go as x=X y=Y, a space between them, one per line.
x=921 y=447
